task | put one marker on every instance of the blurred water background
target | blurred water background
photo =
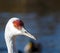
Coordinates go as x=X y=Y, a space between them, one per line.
x=41 y=18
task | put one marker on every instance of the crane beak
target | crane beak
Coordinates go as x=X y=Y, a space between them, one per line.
x=27 y=34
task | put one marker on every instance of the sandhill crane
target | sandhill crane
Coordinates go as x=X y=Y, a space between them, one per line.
x=14 y=27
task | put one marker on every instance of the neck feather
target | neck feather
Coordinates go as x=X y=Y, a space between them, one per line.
x=11 y=45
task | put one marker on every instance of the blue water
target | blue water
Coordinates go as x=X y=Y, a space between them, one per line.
x=50 y=42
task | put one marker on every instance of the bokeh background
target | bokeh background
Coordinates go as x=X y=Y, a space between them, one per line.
x=41 y=18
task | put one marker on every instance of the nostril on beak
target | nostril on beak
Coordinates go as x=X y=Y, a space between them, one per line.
x=25 y=31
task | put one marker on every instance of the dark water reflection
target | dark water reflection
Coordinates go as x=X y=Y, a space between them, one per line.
x=45 y=28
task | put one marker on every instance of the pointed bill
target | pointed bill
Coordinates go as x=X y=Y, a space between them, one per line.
x=27 y=34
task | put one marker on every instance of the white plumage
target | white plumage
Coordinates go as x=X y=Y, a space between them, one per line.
x=11 y=32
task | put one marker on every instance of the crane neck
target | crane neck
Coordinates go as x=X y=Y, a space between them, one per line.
x=11 y=45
